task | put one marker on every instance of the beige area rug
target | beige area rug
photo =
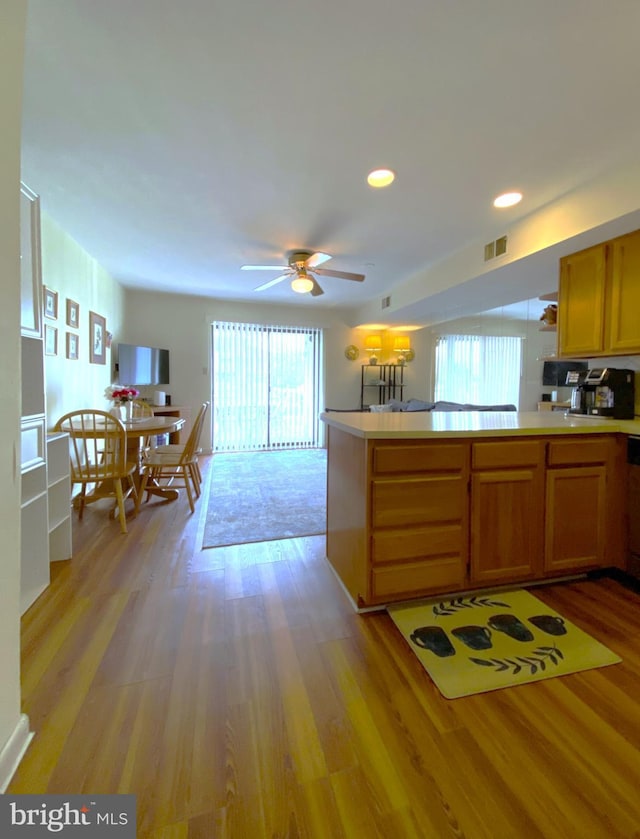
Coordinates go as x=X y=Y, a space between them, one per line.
x=489 y=641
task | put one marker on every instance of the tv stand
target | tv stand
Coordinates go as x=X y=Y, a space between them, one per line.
x=181 y=411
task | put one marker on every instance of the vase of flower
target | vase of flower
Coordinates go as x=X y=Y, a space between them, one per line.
x=123 y=401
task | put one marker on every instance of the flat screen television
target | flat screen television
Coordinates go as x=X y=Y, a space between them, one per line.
x=142 y=365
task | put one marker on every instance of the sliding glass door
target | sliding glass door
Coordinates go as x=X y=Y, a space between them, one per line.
x=266 y=384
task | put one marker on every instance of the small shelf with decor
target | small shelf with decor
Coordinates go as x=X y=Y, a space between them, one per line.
x=549 y=316
x=379 y=383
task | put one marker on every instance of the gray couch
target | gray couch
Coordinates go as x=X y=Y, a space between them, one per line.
x=420 y=405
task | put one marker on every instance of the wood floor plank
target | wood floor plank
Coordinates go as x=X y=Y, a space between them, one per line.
x=237 y=694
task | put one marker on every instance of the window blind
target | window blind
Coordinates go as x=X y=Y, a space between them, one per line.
x=266 y=386
x=480 y=369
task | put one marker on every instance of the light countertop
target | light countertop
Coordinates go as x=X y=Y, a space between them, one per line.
x=424 y=424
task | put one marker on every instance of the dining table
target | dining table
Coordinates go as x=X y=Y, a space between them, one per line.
x=139 y=431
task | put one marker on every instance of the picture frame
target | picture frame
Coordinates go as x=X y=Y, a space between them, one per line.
x=50 y=340
x=50 y=303
x=72 y=346
x=73 y=314
x=30 y=264
x=97 y=339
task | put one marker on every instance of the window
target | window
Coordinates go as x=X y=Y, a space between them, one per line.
x=480 y=369
x=266 y=386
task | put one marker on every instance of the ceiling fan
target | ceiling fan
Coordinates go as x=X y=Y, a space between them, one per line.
x=301 y=267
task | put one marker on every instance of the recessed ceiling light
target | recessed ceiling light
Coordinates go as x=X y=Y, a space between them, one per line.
x=380 y=177
x=507 y=199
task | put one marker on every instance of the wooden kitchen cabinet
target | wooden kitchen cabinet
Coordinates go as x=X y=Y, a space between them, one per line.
x=581 y=301
x=576 y=519
x=623 y=335
x=599 y=295
x=412 y=518
x=579 y=528
x=419 y=511
x=507 y=511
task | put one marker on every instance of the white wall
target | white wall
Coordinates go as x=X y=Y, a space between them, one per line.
x=183 y=325
x=71 y=272
x=12 y=32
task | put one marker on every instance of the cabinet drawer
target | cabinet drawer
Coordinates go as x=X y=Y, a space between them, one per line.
x=416 y=578
x=500 y=455
x=433 y=458
x=419 y=501
x=578 y=452
x=416 y=543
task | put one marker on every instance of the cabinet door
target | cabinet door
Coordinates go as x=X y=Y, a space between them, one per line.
x=624 y=324
x=576 y=518
x=581 y=302
x=506 y=525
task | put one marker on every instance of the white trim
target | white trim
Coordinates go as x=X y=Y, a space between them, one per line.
x=14 y=750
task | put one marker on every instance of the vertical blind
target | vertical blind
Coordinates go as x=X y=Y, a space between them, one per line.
x=481 y=369
x=266 y=386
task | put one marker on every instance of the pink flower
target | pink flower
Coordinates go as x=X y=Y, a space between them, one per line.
x=124 y=394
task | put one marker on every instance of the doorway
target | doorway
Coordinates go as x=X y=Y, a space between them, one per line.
x=266 y=386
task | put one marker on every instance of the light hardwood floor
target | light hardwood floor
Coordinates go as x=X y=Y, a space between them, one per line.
x=237 y=694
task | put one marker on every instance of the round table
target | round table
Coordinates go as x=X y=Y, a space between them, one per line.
x=137 y=430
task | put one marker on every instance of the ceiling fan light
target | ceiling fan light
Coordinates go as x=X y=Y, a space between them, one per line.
x=380 y=177
x=301 y=283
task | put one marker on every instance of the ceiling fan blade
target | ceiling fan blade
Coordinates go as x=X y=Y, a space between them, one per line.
x=269 y=283
x=316 y=259
x=344 y=275
x=263 y=267
x=316 y=291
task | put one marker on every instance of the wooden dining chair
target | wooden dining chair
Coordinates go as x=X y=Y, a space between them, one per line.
x=142 y=410
x=98 y=453
x=176 y=465
x=178 y=447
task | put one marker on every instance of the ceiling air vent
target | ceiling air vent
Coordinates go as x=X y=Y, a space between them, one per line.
x=386 y=302
x=501 y=245
x=497 y=248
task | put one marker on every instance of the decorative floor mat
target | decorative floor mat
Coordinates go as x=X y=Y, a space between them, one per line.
x=489 y=641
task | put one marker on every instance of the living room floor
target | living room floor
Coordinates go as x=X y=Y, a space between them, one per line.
x=237 y=694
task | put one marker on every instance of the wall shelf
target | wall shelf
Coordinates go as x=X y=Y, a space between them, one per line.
x=380 y=382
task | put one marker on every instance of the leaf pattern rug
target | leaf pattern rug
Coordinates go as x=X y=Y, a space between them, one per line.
x=484 y=642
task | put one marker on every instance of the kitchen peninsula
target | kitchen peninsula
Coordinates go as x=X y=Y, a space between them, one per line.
x=425 y=503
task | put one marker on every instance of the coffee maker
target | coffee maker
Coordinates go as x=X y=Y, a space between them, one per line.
x=603 y=392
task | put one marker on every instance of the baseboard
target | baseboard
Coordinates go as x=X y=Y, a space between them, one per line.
x=13 y=751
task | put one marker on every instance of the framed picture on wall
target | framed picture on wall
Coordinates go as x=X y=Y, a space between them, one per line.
x=50 y=340
x=97 y=339
x=73 y=314
x=72 y=346
x=30 y=267
x=50 y=303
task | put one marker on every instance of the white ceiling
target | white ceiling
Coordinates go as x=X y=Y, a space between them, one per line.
x=177 y=141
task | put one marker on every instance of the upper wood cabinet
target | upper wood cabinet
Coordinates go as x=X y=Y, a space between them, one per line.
x=624 y=303
x=599 y=297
